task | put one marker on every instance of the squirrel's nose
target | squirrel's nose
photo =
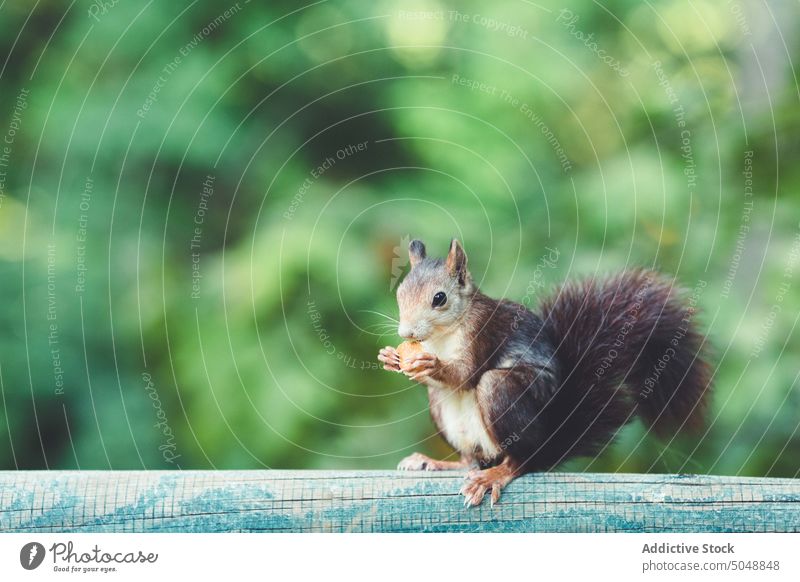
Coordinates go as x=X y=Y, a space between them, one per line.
x=405 y=332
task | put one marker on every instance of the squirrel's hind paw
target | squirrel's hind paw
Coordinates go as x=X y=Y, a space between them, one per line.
x=479 y=482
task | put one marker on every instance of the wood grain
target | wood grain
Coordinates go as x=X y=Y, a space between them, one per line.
x=388 y=501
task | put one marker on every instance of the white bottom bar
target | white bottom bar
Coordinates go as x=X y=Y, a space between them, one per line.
x=353 y=557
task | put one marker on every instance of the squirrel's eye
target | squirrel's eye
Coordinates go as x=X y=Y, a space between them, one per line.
x=439 y=299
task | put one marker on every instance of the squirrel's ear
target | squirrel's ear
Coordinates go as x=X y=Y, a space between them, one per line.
x=456 y=262
x=416 y=252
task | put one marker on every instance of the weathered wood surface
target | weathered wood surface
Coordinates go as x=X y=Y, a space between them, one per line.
x=388 y=501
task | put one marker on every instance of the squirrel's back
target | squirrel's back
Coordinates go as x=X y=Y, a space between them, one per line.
x=504 y=333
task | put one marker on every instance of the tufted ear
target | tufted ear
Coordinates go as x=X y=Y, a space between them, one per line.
x=456 y=262
x=416 y=252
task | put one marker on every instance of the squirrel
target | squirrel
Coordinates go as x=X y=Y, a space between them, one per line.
x=515 y=392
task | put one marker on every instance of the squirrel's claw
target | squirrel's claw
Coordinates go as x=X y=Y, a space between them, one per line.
x=481 y=481
x=417 y=462
x=421 y=365
x=390 y=358
x=473 y=492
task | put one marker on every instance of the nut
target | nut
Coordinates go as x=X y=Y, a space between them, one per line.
x=408 y=350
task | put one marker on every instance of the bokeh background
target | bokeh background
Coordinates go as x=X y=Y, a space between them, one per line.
x=204 y=208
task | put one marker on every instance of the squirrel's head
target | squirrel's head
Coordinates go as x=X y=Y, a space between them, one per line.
x=435 y=294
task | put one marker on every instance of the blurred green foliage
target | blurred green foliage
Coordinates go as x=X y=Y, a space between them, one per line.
x=511 y=125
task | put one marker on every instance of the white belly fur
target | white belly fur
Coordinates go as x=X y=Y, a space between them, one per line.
x=459 y=415
x=461 y=421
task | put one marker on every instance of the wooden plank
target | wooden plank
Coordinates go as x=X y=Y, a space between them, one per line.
x=388 y=501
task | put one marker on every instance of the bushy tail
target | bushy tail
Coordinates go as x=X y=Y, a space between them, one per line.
x=626 y=345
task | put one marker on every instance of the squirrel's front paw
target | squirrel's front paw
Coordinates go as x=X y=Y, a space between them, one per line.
x=421 y=366
x=390 y=359
x=417 y=462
